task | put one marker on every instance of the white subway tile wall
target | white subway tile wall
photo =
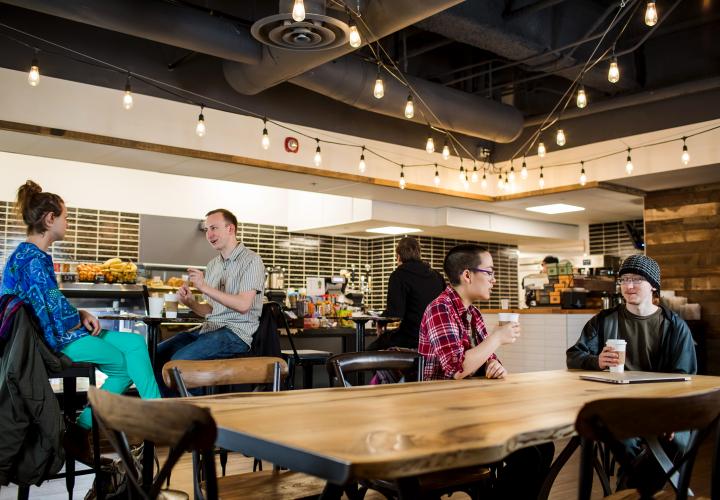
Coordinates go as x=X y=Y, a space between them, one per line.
x=612 y=238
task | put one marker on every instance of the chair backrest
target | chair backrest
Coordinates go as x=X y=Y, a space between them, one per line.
x=265 y=340
x=182 y=427
x=276 y=310
x=216 y=372
x=613 y=420
x=341 y=365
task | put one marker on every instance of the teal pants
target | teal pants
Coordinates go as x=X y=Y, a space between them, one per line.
x=123 y=357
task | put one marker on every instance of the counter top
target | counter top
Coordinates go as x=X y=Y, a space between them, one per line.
x=541 y=310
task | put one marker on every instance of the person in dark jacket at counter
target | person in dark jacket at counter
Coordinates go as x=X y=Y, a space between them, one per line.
x=412 y=286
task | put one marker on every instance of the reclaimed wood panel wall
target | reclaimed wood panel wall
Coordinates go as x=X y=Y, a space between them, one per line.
x=682 y=232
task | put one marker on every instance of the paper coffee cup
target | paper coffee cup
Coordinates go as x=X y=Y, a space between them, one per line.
x=618 y=346
x=508 y=318
x=155 y=306
x=171 y=305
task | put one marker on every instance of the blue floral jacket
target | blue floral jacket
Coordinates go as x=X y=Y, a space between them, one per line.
x=30 y=275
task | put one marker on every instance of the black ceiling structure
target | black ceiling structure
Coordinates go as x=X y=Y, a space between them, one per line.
x=490 y=70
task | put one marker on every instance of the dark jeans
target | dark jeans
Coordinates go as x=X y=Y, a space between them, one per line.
x=218 y=344
x=521 y=474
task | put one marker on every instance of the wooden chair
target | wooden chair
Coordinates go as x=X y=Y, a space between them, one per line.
x=471 y=480
x=611 y=421
x=185 y=375
x=179 y=426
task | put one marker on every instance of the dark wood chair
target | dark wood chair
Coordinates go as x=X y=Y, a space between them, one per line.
x=610 y=421
x=471 y=480
x=179 y=426
x=185 y=375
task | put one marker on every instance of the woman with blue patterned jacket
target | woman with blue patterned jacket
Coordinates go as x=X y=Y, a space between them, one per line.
x=29 y=274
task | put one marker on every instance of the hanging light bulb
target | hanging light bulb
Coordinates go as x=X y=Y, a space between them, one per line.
x=560 y=137
x=461 y=175
x=402 y=177
x=614 y=71
x=317 y=159
x=355 y=40
x=541 y=150
x=483 y=182
x=541 y=180
x=361 y=165
x=501 y=182
x=200 y=128
x=298 y=12
x=446 y=151
x=474 y=177
x=34 y=73
x=436 y=180
x=511 y=177
x=127 y=96
x=581 y=97
x=685 y=157
x=409 y=107
x=466 y=184
x=651 y=15
x=523 y=170
x=629 y=165
x=265 y=142
x=430 y=145
x=583 y=177
x=379 y=90
x=506 y=183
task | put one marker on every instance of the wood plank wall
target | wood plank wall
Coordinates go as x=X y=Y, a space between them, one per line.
x=682 y=232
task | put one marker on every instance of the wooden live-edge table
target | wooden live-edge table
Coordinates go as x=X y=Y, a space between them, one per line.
x=401 y=431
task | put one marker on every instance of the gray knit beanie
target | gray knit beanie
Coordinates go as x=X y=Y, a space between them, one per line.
x=644 y=266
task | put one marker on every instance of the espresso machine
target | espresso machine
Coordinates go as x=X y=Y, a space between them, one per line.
x=275 y=284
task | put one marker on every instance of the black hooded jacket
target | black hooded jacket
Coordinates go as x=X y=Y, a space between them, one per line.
x=412 y=286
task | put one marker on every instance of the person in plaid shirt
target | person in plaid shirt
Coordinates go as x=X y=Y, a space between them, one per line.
x=453 y=338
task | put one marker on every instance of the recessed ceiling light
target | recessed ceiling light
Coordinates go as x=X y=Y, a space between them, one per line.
x=393 y=230
x=555 y=208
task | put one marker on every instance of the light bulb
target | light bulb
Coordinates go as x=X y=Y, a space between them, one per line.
x=436 y=180
x=614 y=71
x=466 y=184
x=501 y=182
x=461 y=175
x=430 y=145
x=506 y=184
x=317 y=159
x=379 y=90
x=200 y=128
x=474 y=177
x=446 y=152
x=127 y=97
x=511 y=176
x=541 y=150
x=651 y=15
x=560 y=137
x=629 y=166
x=583 y=177
x=409 y=108
x=298 y=12
x=483 y=182
x=361 y=164
x=541 y=180
x=355 y=40
x=581 y=98
x=685 y=157
x=523 y=171
x=34 y=74
x=402 y=179
x=265 y=142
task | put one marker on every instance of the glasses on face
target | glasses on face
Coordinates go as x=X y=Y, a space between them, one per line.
x=213 y=228
x=490 y=272
x=626 y=280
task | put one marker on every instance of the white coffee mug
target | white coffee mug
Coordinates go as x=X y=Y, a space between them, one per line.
x=155 y=306
x=508 y=318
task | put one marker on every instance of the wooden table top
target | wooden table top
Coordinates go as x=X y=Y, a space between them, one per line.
x=402 y=430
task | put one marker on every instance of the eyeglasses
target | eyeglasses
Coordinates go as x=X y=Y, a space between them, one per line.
x=489 y=272
x=626 y=280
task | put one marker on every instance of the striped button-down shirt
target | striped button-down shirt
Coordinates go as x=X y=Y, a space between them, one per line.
x=241 y=272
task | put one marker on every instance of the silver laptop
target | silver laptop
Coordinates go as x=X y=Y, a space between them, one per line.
x=635 y=377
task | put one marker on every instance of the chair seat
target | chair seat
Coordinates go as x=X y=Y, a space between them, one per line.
x=269 y=485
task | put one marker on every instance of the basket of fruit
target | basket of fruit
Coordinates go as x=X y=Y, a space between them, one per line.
x=87 y=272
x=117 y=271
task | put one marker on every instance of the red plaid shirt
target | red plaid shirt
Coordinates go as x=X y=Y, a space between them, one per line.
x=447 y=330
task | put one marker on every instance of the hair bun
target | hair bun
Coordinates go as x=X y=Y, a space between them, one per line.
x=30 y=188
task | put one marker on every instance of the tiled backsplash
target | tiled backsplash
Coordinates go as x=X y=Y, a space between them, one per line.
x=612 y=238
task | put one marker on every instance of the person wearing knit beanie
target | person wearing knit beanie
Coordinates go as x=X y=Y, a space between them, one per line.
x=643 y=266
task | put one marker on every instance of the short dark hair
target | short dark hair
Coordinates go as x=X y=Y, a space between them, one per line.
x=550 y=260
x=408 y=249
x=227 y=215
x=461 y=257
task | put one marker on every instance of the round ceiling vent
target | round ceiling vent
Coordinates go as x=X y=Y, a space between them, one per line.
x=316 y=32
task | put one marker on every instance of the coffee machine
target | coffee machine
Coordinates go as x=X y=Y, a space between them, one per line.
x=275 y=284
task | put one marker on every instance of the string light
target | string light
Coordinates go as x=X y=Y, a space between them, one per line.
x=685 y=157
x=200 y=128
x=583 y=177
x=512 y=173
x=436 y=179
x=409 y=107
x=265 y=142
x=523 y=170
x=541 y=179
x=629 y=165
x=614 y=71
x=581 y=97
x=298 y=12
x=127 y=99
x=361 y=165
x=430 y=145
x=507 y=183
x=379 y=90
x=501 y=183
x=541 y=150
x=446 y=151
x=355 y=40
x=402 y=177
x=317 y=160
x=651 y=15
x=560 y=137
x=461 y=175
x=474 y=177
x=466 y=184
x=34 y=73
x=483 y=182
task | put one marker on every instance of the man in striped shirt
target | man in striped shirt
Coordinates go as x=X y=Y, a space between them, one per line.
x=233 y=287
